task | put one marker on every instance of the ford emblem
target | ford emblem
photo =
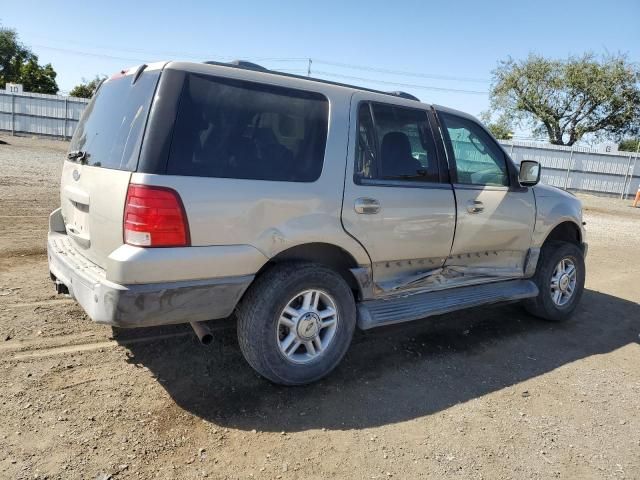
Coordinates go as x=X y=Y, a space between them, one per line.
x=76 y=175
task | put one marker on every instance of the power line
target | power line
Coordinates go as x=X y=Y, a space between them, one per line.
x=289 y=70
x=165 y=54
x=330 y=74
x=91 y=54
x=403 y=73
x=200 y=56
x=407 y=85
x=132 y=59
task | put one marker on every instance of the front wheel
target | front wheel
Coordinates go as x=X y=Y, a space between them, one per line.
x=296 y=323
x=560 y=278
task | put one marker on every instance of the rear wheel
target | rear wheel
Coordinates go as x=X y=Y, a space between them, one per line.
x=296 y=323
x=560 y=278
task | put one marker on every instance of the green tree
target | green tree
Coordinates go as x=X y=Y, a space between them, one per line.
x=501 y=128
x=18 y=64
x=12 y=56
x=37 y=78
x=86 y=88
x=567 y=99
x=629 y=145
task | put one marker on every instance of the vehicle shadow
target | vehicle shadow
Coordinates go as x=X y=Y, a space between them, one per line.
x=392 y=374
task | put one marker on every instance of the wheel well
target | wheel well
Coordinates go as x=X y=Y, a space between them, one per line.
x=326 y=254
x=566 y=232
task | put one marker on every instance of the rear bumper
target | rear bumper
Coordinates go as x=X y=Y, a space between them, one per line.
x=140 y=305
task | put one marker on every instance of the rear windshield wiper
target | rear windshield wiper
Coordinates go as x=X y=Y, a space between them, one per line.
x=77 y=155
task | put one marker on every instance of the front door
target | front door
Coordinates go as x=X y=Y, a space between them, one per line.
x=394 y=203
x=495 y=217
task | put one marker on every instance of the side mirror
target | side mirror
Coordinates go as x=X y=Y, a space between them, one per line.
x=529 y=173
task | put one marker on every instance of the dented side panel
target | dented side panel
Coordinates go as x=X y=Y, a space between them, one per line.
x=497 y=237
x=555 y=206
x=413 y=229
x=271 y=216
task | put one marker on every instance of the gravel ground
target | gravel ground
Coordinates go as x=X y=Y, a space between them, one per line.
x=488 y=393
x=611 y=218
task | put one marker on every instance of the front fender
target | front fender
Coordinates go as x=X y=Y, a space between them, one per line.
x=553 y=207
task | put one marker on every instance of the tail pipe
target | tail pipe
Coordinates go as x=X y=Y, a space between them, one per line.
x=204 y=334
x=61 y=288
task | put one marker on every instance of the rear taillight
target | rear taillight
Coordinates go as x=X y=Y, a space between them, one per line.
x=155 y=217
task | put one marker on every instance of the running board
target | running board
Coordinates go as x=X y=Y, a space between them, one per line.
x=376 y=313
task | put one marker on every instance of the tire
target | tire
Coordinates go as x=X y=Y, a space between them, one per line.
x=544 y=306
x=265 y=329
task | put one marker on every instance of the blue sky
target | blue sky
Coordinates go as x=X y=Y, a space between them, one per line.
x=459 y=40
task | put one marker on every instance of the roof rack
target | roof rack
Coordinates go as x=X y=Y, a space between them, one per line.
x=243 y=64
x=404 y=95
x=254 y=66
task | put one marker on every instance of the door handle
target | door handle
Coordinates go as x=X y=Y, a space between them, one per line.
x=475 y=206
x=366 y=206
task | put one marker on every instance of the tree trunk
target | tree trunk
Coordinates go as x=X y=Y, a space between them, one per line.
x=557 y=139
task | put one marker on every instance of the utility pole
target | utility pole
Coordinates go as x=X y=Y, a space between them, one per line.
x=309 y=68
x=629 y=173
x=566 y=179
x=13 y=113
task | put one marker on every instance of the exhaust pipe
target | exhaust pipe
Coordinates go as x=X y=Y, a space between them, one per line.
x=204 y=334
x=61 y=288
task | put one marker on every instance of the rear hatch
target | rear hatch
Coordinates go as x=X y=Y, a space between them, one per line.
x=103 y=153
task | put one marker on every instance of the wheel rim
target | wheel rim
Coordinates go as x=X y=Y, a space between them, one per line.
x=563 y=282
x=307 y=326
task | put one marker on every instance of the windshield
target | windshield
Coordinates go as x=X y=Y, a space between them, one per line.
x=110 y=131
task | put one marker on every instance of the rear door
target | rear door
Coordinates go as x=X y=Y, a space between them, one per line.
x=103 y=153
x=495 y=215
x=395 y=204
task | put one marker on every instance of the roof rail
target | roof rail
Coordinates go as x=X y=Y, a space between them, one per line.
x=259 y=68
x=242 y=64
x=404 y=95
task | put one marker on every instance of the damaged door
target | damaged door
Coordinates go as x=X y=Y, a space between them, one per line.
x=495 y=219
x=394 y=203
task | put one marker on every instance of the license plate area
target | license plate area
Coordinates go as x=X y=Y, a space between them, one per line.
x=79 y=221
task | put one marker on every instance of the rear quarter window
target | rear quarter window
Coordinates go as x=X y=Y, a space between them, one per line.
x=234 y=129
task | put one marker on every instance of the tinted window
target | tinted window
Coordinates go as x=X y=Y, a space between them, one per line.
x=112 y=125
x=395 y=144
x=479 y=160
x=366 y=156
x=233 y=129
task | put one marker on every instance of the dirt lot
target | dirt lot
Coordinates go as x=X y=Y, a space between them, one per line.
x=489 y=393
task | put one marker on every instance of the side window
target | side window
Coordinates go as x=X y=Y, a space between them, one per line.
x=479 y=161
x=234 y=129
x=366 y=149
x=395 y=144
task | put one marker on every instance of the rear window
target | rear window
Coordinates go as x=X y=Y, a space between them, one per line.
x=111 y=128
x=234 y=129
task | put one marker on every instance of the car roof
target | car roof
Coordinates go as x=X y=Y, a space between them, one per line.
x=453 y=111
x=253 y=72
